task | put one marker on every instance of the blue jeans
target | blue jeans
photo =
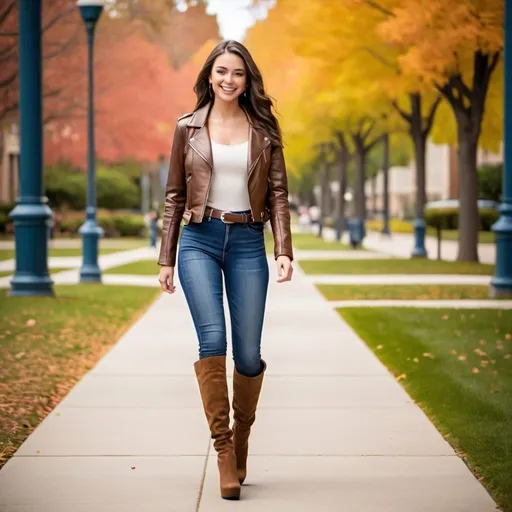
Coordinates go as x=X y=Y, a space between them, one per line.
x=208 y=250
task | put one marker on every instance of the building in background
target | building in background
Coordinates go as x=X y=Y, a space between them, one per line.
x=9 y=163
x=442 y=180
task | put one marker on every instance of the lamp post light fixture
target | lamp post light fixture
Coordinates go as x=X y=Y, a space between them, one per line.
x=91 y=233
x=501 y=283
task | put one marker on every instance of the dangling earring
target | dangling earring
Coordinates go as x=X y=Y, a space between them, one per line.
x=245 y=93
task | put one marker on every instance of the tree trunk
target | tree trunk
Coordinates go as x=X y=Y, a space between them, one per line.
x=385 y=175
x=374 y=194
x=419 y=141
x=323 y=195
x=468 y=194
x=342 y=180
x=360 y=199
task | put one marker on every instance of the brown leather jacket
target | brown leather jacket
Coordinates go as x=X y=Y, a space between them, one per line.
x=189 y=178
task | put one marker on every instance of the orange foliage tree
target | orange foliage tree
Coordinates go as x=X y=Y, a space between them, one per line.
x=454 y=46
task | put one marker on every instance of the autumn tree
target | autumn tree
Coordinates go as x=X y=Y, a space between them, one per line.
x=455 y=46
x=61 y=35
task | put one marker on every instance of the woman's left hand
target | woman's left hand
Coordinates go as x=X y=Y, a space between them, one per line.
x=284 y=269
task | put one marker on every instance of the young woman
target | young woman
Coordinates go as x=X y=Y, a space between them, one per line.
x=227 y=177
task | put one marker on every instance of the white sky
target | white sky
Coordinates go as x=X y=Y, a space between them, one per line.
x=236 y=16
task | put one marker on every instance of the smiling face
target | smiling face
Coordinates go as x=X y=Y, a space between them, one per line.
x=228 y=77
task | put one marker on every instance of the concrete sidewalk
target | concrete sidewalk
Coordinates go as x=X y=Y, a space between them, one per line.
x=334 y=430
x=401 y=244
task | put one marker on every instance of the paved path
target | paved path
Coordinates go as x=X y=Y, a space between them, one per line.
x=105 y=262
x=398 y=279
x=338 y=255
x=401 y=245
x=455 y=304
x=334 y=431
x=76 y=243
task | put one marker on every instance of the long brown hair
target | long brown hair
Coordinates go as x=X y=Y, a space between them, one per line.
x=256 y=103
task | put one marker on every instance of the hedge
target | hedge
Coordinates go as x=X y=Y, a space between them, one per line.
x=68 y=189
x=114 y=224
x=448 y=218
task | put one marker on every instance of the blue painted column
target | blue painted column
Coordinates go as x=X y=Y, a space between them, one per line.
x=501 y=284
x=31 y=213
x=91 y=233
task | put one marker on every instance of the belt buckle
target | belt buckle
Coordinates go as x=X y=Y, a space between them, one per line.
x=222 y=218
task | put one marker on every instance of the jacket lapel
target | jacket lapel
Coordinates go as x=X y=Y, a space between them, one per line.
x=201 y=144
x=257 y=145
x=200 y=140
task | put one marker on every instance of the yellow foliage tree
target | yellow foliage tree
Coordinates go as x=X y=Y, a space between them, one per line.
x=454 y=46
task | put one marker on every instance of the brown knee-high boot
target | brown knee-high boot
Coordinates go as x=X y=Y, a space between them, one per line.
x=246 y=392
x=211 y=376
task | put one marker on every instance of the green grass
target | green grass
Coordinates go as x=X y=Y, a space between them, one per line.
x=403 y=292
x=7 y=254
x=5 y=273
x=403 y=226
x=457 y=365
x=309 y=242
x=47 y=344
x=142 y=267
x=394 y=266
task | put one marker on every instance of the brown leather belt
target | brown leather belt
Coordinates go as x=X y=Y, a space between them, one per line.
x=228 y=217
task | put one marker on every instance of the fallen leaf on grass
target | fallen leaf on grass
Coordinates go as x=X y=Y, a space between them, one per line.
x=30 y=323
x=484 y=363
x=507 y=356
x=19 y=355
x=416 y=360
x=462 y=358
x=380 y=347
x=453 y=352
x=499 y=345
x=445 y=317
x=480 y=352
x=482 y=342
x=402 y=376
x=428 y=354
x=508 y=336
x=475 y=370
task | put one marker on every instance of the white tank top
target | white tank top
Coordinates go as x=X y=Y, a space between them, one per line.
x=228 y=188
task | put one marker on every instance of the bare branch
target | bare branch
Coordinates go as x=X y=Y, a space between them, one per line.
x=377 y=139
x=447 y=91
x=58 y=17
x=368 y=131
x=430 y=117
x=7 y=11
x=407 y=117
x=62 y=48
x=459 y=84
x=380 y=58
x=379 y=8
x=494 y=62
x=8 y=50
x=10 y=80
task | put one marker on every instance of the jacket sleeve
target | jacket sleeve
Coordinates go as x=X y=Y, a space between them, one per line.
x=175 y=196
x=279 y=205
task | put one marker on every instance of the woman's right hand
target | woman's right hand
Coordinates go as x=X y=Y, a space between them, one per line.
x=166 y=279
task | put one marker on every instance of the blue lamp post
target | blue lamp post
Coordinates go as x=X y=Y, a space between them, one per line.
x=501 y=284
x=91 y=233
x=31 y=212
